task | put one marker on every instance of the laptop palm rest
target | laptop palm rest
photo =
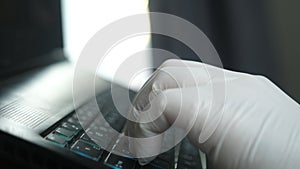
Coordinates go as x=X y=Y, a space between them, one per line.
x=38 y=99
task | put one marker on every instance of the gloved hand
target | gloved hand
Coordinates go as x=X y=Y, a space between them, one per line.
x=240 y=121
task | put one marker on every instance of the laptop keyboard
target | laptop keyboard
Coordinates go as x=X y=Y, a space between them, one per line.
x=70 y=135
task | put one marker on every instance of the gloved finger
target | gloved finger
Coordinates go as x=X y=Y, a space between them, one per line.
x=146 y=138
x=177 y=74
x=174 y=107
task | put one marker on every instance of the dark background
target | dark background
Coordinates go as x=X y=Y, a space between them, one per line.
x=254 y=36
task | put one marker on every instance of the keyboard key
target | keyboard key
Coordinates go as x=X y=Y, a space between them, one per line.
x=86 y=138
x=71 y=127
x=122 y=147
x=188 y=165
x=104 y=138
x=157 y=164
x=150 y=166
x=57 y=140
x=168 y=156
x=65 y=133
x=154 y=166
x=189 y=157
x=118 y=162
x=161 y=164
x=74 y=120
x=87 y=150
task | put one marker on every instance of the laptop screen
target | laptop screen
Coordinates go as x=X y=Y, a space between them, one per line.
x=29 y=30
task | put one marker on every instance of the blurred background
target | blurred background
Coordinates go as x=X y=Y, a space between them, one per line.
x=257 y=36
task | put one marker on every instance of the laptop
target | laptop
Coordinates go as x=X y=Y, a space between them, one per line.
x=39 y=127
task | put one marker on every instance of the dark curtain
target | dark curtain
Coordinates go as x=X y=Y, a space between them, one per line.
x=239 y=30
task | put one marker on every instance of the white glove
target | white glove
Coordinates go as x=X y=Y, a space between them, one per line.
x=240 y=121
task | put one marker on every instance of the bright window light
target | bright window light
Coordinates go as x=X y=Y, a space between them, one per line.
x=83 y=18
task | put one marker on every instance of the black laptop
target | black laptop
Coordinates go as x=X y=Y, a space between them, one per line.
x=38 y=125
